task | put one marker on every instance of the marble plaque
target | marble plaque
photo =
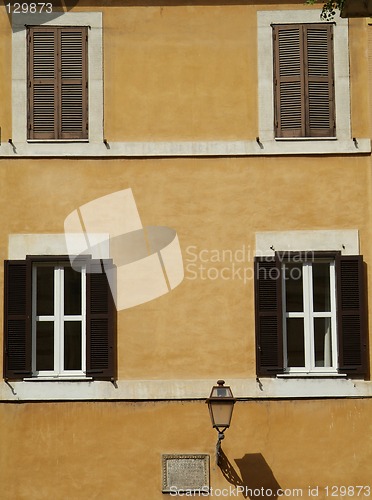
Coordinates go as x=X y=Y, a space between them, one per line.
x=185 y=473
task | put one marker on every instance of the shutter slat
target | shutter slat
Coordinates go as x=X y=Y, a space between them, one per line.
x=17 y=322
x=351 y=314
x=269 y=328
x=101 y=322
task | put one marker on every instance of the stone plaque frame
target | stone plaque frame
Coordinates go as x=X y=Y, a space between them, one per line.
x=185 y=472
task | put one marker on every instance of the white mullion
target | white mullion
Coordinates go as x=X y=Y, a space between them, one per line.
x=308 y=315
x=284 y=314
x=58 y=325
x=332 y=275
x=83 y=319
x=34 y=318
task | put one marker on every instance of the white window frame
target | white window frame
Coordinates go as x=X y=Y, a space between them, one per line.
x=308 y=315
x=266 y=79
x=19 y=76
x=59 y=318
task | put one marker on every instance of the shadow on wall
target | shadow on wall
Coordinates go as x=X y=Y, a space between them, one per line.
x=255 y=480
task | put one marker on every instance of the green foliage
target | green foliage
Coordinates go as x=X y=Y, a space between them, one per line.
x=329 y=8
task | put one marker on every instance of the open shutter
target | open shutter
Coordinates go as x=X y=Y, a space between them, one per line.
x=269 y=327
x=73 y=95
x=101 y=322
x=17 y=320
x=289 y=81
x=319 y=80
x=42 y=83
x=351 y=314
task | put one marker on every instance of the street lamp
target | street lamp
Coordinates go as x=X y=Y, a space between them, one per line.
x=221 y=404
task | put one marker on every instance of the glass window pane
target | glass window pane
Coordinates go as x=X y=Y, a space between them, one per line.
x=295 y=342
x=44 y=291
x=72 y=345
x=72 y=291
x=321 y=287
x=44 y=345
x=293 y=287
x=322 y=341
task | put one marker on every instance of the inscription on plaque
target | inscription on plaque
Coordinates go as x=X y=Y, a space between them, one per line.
x=185 y=472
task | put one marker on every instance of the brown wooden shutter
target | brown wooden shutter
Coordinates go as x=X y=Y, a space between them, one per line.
x=351 y=314
x=101 y=323
x=74 y=92
x=303 y=80
x=58 y=83
x=17 y=320
x=289 y=81
x=42 y=83
x=269 y=327
x=319 y=80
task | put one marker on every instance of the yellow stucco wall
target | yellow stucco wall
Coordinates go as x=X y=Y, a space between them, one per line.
x=163 y=61
x=113 y=450
x=187 y=72
x=214 y=205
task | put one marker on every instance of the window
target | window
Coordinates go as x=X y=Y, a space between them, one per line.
x=340 y=139
x=59 y=320
x=57 y=83
x=310 y=313
x=303 y=80
x=309 y=316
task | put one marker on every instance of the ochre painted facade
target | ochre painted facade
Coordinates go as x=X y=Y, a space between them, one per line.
x=187 y=71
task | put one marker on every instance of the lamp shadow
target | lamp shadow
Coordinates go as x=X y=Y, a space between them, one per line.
x=256 y=479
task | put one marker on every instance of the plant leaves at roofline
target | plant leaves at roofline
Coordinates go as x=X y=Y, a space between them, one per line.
x=329 y=8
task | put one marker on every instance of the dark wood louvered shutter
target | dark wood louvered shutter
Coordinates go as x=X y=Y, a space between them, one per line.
x=17 y=319
x=289 y=81
x=73 y=93
x=42 y=83
x=58 y=83
x=319 y=80
x=303 y=80
x=351 y=312
x=268 y=307
x=101 y=322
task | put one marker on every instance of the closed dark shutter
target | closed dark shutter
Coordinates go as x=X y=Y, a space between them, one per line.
x=268 y=305
x=351 y=314
x=101 y=322
x=57 y=83
x=17 y=319
x=74 y=112
x=42 y=84
x=303 y=80
x=319 y=81
x=289 y=81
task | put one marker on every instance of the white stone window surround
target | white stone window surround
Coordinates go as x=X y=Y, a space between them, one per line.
x=96 y=148
x=344 y=240
x=19 y=79
x=266 y=80
x=284 y=387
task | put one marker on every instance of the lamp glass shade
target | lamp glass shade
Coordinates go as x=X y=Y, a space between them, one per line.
x=221 y=413
x=221 y=404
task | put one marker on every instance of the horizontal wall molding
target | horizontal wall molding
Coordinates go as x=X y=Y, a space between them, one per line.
x=145 y=390
x=185 y=148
